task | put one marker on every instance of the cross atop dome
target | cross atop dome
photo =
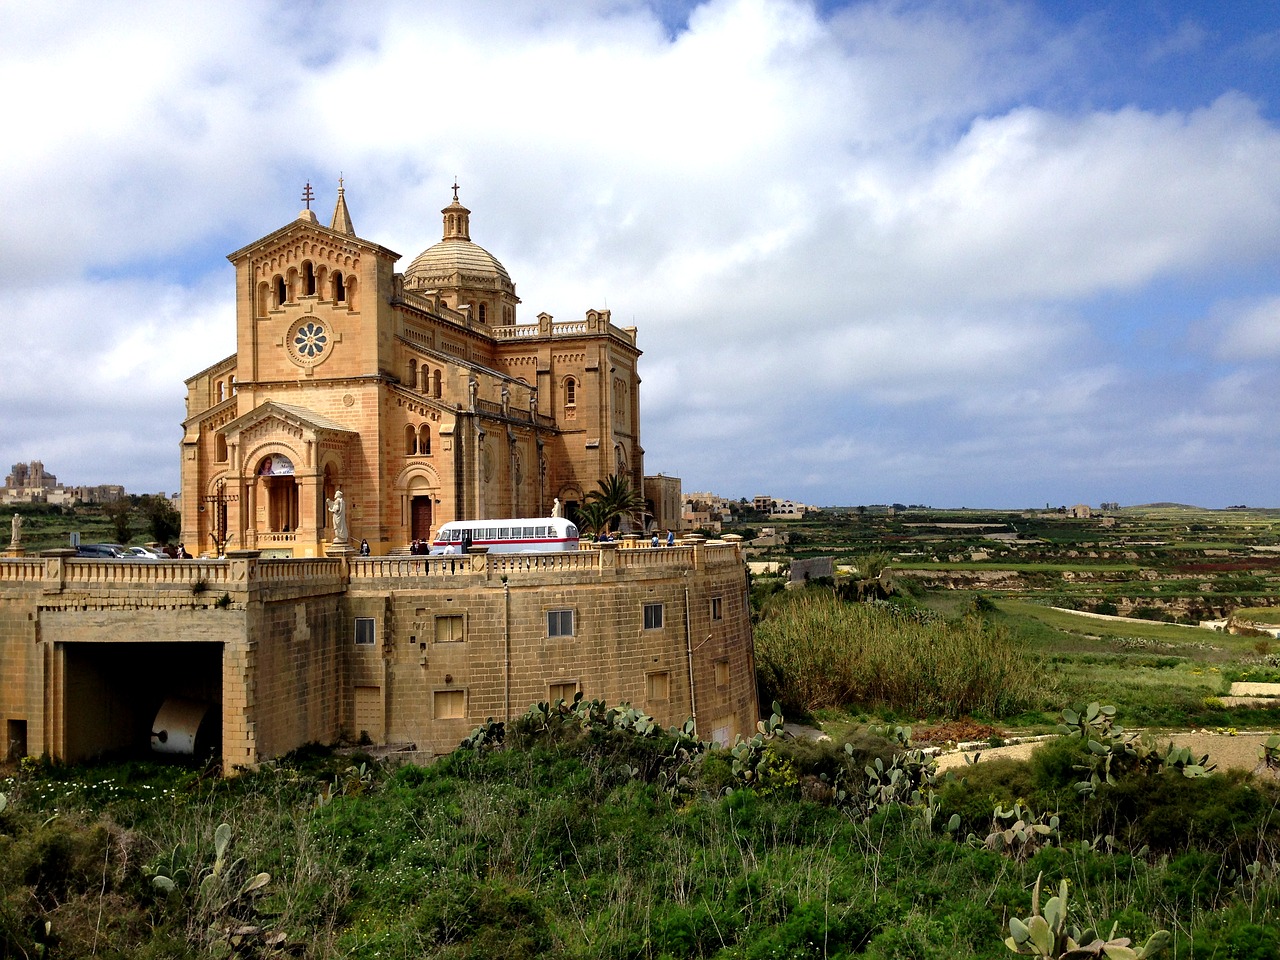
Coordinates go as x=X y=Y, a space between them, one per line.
x=457 y=218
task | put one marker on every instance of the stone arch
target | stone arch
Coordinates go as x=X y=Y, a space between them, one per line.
x=418 y=487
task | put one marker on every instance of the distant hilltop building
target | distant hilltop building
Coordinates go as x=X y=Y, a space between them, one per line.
x=30 y=483
x=780 y=509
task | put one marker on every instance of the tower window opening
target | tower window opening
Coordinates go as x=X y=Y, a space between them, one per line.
x=282 y=295
x=424 y=440
x=410 y=441
x=339 y=288
x=308 y=279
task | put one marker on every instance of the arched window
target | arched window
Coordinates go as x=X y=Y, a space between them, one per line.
x=264 y=298
x=282 y=294
x=484 y=314
x=352 y=294
x=220 y=448
x=308 y=279
x=291 y=284
x=435 y=384
x=339 y=289
x=424 y=440
x=220 y=391
x=570 y=392
x=410 y=440
x=413 y=374
x=233 y=384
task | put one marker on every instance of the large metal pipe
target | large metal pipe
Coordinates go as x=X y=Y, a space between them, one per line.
x=176 y=729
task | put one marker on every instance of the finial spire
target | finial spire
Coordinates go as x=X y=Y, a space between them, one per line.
x=457 y=218
x=341 y=216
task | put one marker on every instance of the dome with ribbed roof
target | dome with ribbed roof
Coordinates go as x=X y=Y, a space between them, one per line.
x=455 y=261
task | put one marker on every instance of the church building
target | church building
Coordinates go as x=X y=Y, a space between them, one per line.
x=419 y=395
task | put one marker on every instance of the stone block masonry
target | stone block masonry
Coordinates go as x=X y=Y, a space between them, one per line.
x=414 y=651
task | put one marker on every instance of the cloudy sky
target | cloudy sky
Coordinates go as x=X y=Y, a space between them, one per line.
x=952 y=253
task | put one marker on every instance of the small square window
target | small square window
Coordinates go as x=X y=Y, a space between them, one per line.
x=559 y=623
x=722 y=673
x=450 y=704
x=565 y=691
x=653 y=616
x=717 y=608
x=365 y=631
x=658 y=686
x=449 y=629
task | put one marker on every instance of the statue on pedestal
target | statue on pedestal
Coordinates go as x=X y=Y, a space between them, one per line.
x=338 y=507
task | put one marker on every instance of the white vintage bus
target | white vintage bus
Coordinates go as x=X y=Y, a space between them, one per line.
x=521 y=535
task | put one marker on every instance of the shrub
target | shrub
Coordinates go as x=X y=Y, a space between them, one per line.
x=813 y=651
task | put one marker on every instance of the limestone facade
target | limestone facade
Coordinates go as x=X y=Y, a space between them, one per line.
x=419 y=394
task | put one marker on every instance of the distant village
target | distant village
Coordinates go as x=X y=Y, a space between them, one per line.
x=31 y=483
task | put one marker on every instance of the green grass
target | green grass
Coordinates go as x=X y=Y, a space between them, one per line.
x=575 y=846
x=999 y=564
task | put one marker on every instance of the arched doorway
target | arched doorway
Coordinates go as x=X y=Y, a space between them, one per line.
x=420 y=516
x=277 y=494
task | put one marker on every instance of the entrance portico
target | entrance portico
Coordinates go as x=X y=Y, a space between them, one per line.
x=284 y=461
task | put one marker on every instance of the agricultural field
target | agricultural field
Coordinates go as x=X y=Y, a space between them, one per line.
x=1156 y=611
x=1170 y=562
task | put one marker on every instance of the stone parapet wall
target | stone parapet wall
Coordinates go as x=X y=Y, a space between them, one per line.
x=410 y=650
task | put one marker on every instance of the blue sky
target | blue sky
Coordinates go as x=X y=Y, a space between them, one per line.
x=962 y=254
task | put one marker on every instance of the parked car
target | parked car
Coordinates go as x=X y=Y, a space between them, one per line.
x=145 y=553
x=101 y=551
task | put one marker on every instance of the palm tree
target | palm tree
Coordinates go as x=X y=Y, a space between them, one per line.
x=593 y=518
x=617 y=499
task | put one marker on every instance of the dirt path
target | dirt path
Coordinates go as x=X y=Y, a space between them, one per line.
x=1229 y=752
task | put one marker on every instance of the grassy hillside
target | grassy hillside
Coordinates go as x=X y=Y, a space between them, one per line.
x=582 y=836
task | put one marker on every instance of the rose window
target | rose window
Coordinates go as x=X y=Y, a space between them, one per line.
x=310 y=340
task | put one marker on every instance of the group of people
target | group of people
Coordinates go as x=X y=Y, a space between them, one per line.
x=656 y=541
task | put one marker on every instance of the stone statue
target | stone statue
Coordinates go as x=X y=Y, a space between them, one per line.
x=338 y=507
x=17 y=529
x=556 y=509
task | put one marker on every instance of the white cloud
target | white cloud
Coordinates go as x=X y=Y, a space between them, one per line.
x=1250 y=331
x=862 y=247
